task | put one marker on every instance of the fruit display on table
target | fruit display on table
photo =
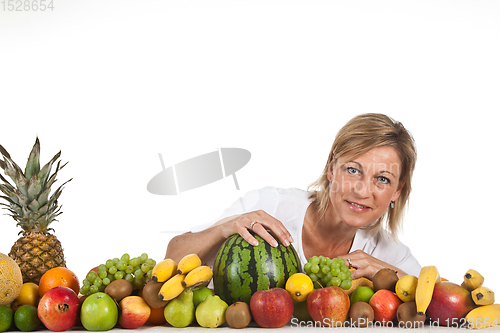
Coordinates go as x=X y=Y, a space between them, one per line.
x=177 y=295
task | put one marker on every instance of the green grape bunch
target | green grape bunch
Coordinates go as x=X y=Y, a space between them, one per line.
x=326 y=272
x=135 y=270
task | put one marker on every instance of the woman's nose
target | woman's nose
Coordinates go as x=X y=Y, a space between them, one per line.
x=363 y=188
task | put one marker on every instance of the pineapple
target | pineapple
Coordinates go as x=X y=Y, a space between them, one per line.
x=29 y=204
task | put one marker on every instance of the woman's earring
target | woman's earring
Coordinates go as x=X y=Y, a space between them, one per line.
x=392 y=204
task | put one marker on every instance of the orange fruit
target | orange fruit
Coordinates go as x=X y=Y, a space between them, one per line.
x=157 y=316
x=58 y=277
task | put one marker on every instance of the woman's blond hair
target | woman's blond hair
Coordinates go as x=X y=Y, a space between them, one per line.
x=361 y=134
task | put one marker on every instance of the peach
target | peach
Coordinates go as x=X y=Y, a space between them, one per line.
x=134 y=312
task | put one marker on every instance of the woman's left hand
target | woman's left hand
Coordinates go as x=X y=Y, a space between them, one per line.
x=365 y=265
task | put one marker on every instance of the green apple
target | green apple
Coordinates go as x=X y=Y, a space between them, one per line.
x=362 y=294
x=199 y=295
x=99 y=312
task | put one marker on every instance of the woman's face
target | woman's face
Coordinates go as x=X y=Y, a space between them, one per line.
x=362 y=188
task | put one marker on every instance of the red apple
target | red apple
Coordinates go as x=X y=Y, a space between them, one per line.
x=58 y=309
x=271 y=308
x=328 y=306
x=450 y=302
x=135 y=312
x=385 y=305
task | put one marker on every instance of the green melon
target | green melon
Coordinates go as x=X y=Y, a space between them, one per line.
x=240 y=269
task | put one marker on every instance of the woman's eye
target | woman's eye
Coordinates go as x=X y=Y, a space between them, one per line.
x=352 y=171
x=384 y=180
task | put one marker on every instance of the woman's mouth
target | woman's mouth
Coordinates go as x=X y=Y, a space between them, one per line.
x=357 y=207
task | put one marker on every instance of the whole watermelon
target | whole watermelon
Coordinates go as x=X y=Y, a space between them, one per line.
x=240 y=269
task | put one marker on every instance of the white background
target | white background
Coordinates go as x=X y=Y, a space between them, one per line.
x=114 y=83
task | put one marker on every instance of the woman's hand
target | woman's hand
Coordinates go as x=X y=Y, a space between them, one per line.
x=258 y=221
x=366 y=265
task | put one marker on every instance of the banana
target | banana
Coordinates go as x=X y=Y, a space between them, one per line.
x=164 y=270
x=483 y=296
x=172 y=288
x=484 y=316
x=197 y=276
x=427 y=279
x=473 y=280
x=188 y=263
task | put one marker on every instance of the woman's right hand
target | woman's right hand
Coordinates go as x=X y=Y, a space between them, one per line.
x=259 y=222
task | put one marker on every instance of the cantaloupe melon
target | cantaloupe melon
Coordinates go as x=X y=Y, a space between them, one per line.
x=11 y=280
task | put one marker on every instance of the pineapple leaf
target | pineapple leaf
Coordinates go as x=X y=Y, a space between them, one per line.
x=34 y=187
x=25 y=210
x=34 y=206
x=58 y=192
x=33 y=165
x=15 y=209
x=49 y=217
x=10 y=200
x=9 y=164
x=45 y=171
x=4 y=152
x=17 y=176
x=42 y=199
x=35 y=216
x=12 y=170
x=52 y=179
x=5 y=180
x=9 y=192
x=13 y=212
x=43 y=210
x=21 y=198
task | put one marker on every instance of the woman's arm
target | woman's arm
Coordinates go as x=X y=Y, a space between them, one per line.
x=207 y=242
x=367 y=265
x=204 y=243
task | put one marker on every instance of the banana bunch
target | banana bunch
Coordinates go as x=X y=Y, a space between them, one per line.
x=188 y=273
x=487 y=314
x=473 y=282
x=427 y=279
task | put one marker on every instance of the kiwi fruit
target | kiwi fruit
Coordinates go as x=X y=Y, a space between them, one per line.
x=361 y=314
x=238 y=315
x=150 y=294
x=385 y=278
x=408 y=317
x=119 y=289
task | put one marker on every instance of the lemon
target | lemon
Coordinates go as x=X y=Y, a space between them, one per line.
x=29 y=295
x=26 y=318
x=6 y=317
x=299 y=285
x=406 y=287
